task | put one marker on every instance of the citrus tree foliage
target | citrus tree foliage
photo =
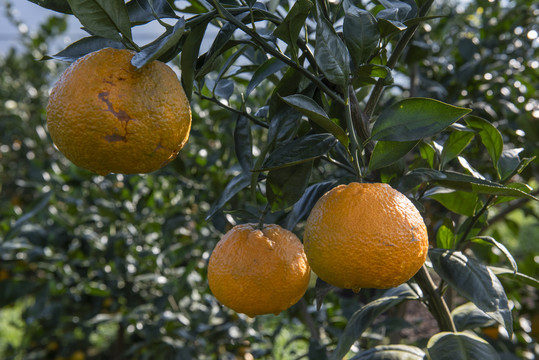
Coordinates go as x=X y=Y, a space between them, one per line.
x=289 y=99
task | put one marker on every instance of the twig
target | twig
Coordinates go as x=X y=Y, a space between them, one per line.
x=270 y=50
x=242 y=113
x=392 y=61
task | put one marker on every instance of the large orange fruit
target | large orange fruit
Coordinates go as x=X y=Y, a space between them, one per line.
x=106 y=116
x=365 y=236
x=258 y=271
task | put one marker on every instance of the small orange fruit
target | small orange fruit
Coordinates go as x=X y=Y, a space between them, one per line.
x=365 y=236
x=107 y=116
x=258 y=271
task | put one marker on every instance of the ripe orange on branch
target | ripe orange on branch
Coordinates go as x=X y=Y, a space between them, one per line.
x=365 y=236
x=258 y=271
x=107 y=116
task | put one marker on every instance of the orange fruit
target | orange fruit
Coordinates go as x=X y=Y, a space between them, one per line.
x=365 y=236
x=258 y=271
x=107 y=116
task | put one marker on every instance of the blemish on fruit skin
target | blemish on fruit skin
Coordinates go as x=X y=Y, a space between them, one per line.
x=115 y=138
x=120 y=114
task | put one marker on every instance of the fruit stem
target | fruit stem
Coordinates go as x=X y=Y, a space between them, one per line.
x=435 y=301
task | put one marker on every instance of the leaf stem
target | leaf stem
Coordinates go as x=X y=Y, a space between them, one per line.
x=392 y=61
x=435 y=301
x=270 y=50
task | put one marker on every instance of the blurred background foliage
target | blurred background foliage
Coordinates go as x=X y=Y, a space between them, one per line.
x=114 y=267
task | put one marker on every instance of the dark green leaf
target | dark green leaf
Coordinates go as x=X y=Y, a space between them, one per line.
x=490 y=137
x=501 y=247
x=458 y=181
x=293 y=152
x=104 y=18
x=11 y=291
x=387 y=152
x=144 y=11
x=289 y=29
x=459 y=202
x=475 y=282
x=270 y=67
x=388 y=23
x=331 y=54
x=455 y=144
x=364 y=317
x=313 y=111
x=302 y=208
x=321 y=289
x=83 y=47
x=391 y=352
x=236 y=185
x=189 y=57
x=284 y=125
x=468 y=317
x=360 y=34
x=243 y=143
x=414 y=119
x=56 y=5
x=161 y=47
x=285 y=186
x=460 y=346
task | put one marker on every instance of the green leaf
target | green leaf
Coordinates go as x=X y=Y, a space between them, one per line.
x=331 y=54
x=321 y=289
x=526 y=279
x=104 y=18
x=388 y=152
x=391 y=352
x=299 y=150
x=455 y=144
x=458 y=181
x=367 y=74
x=41 y=204
x=364 y=317
x=414 y=119
x=459 y=202
x=490 y=137
x=302 y=208
x=243 y=143
x=289 y=29
x=83 y=47
x=360 y=34
x=285 y=186
x=235 y=185
x=428 y=152
x=445 y=235
x=460 y=346
x=164 y=48
x=468 y=316
x=508 y=162
x=314 y=112
x=501 y=247
x=189 y=58
x=270 y=67
x=475 y=282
